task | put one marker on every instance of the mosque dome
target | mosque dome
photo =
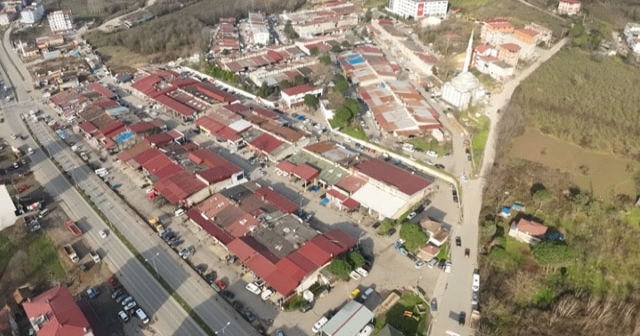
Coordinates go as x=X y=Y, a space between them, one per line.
x=465 y=82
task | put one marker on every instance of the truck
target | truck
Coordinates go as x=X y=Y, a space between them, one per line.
x=475 y=319
x=71 y=253
x=155 y=223
x=95 y=256
x=71 y=225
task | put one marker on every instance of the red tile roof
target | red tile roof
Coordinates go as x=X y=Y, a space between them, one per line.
x=296 y=90
x=99 y=88
x=105 y=103
x=274 y=56
x=215 y=93
x=265 y=113
x=237 y=107
x=212 y=160
x=532 y=228
x=159 y=139
x=512 y=47
x=351 y=183
x=146 y=85
x=141 y=127
x=178 y=186
x=336 y=194
x=147 y=155
x=88 y=127
x=209 y=124
x=64 y=317
x=306 y=172
x=403 y=180
x=215 y=175
x=266 y=143
x=175 y=105
x=211 y=228
x=350 y=203
x=277 y=199
x=529 y=32
x=286 y=166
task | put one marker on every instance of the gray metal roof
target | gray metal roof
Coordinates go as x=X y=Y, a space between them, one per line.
x=349 y=321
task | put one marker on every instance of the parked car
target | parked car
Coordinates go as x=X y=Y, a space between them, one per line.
x=434 y=305
x=237 y=305
x=433 y=262
x=439 y=166
x=228 y=295
x=319 y=324
x=458 y=241
x=102 y=233
x=210 y=277
x=447 y=267
x=116 y=293
x=462 y=318
x=474 y=298
x=476 y=283
x=376 y=225
x=391 y=232
x=467 y=252
x=124 y=317
x=306 y=307
x=362 y=272
x=248 y=315
x=412 y=216
x=420 y=264
x=253 y=288
x=122 y=297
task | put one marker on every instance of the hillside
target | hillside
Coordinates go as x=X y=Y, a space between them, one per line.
x=178 y=33
x=593 y=103
x=587 y=283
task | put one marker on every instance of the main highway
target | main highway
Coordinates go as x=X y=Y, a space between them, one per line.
x=169 y=318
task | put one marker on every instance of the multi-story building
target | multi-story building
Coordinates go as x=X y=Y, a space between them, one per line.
x=6 y=18
x=569 y=7
x=331 y=18
x=259 y=33
x=496 y=31
x=32 y=14
x=544 y=34
x=632 y=36
x=294 y=96
x=527 y=40
x=417 y=9
x=60 y=20
x=509 y=53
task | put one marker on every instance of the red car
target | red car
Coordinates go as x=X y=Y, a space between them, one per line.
x=466 y=253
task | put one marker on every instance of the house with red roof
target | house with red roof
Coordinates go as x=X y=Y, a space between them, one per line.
x=528 y=231
x=55 y=313
x=221 y=173
x=569 y=7
x=294 y=96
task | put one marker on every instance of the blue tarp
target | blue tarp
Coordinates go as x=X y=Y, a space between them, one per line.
x=301 y=117
x=124 y=136
x=324 y=201
x=354 y=59
x=62 y=134
x=505 y=210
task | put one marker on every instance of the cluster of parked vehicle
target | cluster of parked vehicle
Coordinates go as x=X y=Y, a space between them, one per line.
x=129 y=305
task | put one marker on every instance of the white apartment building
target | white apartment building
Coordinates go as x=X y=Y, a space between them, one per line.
x=259 y=33
x=32 y=14
x=60 y=20
x=295 y=95
x=417 y=9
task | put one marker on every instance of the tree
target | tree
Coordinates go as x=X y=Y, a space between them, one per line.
x=413 y=235
x=340 y=84
x=325 y=59
x=314 y=51
x=345 y=44
x=311 y=101
x=336 y=48
x=553 y=254
x=289 y=31
x=341 y=116
x=356 y=259
x=542 y=195
x=299 y=80
x=285 y=84
x=353 y=106
x=368 y=15
x=340 y=268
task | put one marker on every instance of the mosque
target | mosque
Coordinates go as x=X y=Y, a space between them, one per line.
x=464 y=90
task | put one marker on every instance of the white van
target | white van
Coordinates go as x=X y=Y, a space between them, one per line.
x=102 y=172
x=142 y=315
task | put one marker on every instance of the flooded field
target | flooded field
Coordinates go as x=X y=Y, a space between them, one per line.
x=599 y=172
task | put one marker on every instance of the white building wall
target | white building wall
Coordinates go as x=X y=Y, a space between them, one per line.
x=60 y=20
x=32 y=14
x=418 y=9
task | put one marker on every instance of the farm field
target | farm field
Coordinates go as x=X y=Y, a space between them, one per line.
x=590 y=170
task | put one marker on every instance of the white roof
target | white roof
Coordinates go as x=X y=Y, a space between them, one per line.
x=240 y=125
x=377 y=199
x=7 y=208
x=349 y=320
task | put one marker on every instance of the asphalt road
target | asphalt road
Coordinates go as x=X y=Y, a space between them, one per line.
x=170 y=318
x=457 y=290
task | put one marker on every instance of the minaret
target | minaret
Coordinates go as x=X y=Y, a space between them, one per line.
x=467 y=57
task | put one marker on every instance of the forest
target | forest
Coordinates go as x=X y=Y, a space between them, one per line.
x=585 y=282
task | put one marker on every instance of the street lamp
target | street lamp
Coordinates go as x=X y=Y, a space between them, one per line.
x=153 y=259
x=223 y=328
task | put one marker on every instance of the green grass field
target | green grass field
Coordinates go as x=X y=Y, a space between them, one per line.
x=415 y=325
x=38 y=261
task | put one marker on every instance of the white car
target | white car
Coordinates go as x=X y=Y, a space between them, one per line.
x=476 y=282
x=13 y=136
x=362 y=272
x=432 y=154
x=412 y=215
x=30 y=151
x=355 y=276
x=253 y=288
x=464 y=178
x=447 y=267
x=179 y=212
x=319 y=324
x=366 y=331
x=102 y=233
x=266 y=294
